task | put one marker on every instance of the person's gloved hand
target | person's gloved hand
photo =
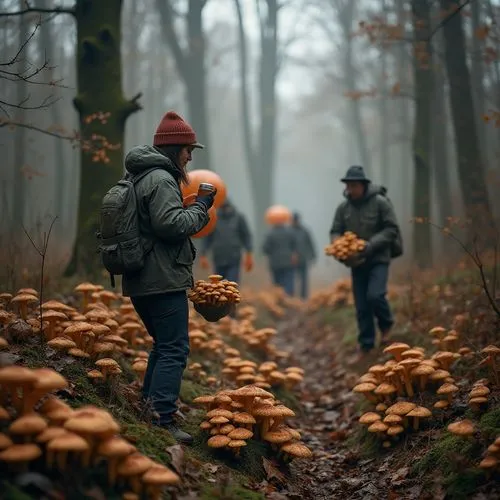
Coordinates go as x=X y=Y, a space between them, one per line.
x=204 y=262
x=367 y=252
x=248 y=262
x=207 y=200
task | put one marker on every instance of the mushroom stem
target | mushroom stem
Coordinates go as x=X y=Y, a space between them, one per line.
x=61 y=457
x=416 y=422
x=135 y=484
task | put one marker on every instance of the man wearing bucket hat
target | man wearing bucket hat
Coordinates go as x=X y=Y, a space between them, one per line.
x=369 y=214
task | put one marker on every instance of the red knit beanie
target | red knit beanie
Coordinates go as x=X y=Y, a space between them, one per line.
x=174 y=130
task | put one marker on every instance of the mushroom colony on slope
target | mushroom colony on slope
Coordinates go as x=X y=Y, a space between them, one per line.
x=412 y=388
x=40 y=430
x=235 y=416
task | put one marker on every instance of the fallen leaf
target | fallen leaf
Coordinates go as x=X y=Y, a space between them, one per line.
x=177 y=454
x=400 y=474
x=272 y=472
x=211 y=468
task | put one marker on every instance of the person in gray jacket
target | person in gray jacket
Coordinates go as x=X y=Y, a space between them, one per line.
x=306 y=254
x=229 y=242
x=280 y=246
x=370 y=215
x=158 y=290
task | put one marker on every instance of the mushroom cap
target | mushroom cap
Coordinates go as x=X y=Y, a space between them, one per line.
x=25 y=297
x=295 y=369
x=240 y=433
x=205 y=425
x=479 y=391
x=20 y=453
x=61 y=343
x=134 y=464
x=15 y=374
x=68 y=441
x=462 y=428
x=385 y=389
x=447 y=389
x=422 y=369
x=489 y=462
x=106 y=362
x=277 y=436
x=439 y=375
x=95 y=374
x=394 y=430
x=160 y=475
x=78 y=327
x=369 y=418
x=28 y=424
x=219 y=420
x=222 y=399
x=420 y=412
x=204 y=399
x=412 y=354
x=478 y=400
x=378 y=426
x=218 y=441
x=87 y=424
x=49 y=380
x=115 y=447
x=364 y=387
x=381 y=407
x=50 y=433
x=55 y=305
x=396 y=347
x=392 y=419
x=401 y=408
x=298 y=450
x=243 y=418
x=55 y=315
x=489 y=349
x=441 y=404
x=237 y=443
x=437 y=330
x=4 y=414
x=251 y=390
x=219 y=412
x=225 y=429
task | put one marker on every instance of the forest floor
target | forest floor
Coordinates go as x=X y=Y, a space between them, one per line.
x=347 y=462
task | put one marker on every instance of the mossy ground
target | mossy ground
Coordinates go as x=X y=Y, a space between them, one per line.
x=120 y=398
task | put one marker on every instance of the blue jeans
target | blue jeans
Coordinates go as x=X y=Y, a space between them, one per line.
x=302 y=275
x=230 y=272
x=165 y=317
x=284 y=278
x=369 y=285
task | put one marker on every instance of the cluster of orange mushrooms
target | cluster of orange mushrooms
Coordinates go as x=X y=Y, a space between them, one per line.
x=216 y=291
x=42 y=429
x=233 y=417
x=398 y=388
x=345 y=246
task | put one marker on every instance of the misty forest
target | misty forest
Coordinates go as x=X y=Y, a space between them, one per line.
x=296 y=294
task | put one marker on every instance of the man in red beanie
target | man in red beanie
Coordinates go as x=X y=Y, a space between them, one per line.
x=158 y=290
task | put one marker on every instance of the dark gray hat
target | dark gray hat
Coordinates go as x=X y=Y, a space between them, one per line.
x=355 y=174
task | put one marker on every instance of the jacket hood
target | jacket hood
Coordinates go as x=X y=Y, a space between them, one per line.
x=371 y=191
x=143 y=157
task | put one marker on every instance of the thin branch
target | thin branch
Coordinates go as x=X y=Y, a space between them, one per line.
x=41 y=10
x=447 y=18
x=12 y=123
x=46 y=103
x=22 y=47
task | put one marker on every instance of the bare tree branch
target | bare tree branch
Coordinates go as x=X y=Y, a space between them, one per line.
x=29 y=10
x=450 y=16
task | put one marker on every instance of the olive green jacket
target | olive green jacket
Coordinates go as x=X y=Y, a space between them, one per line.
x=372 y=218
x=165 y=222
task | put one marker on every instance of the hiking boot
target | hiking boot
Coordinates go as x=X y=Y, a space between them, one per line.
x=359 y=357
x=384 y=337
x=179 y=435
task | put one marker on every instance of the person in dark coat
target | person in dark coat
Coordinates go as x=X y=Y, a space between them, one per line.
x=306 y=254
x=369 y=215
x=229 y=242
x=158 y=290
x=280 y=246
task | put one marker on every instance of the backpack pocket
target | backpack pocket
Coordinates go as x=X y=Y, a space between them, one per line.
x=111 y=258
x=123 y=257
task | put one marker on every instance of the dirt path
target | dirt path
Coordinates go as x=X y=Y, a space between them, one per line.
x=329 y=408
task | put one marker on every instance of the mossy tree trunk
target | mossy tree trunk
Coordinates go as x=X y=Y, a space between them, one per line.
x=424 y=83
x=103 y=111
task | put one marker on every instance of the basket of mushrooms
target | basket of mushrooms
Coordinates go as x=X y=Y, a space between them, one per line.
x=215 y=298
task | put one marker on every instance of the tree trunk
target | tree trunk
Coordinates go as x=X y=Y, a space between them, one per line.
x=403 y=192
x=191 y=67
x=470 y=164
x=21 y=95
x=59 y=170
x=423 y=76
x=385 y=127
x=103 y=111
x=346 y=18
x=244 y=96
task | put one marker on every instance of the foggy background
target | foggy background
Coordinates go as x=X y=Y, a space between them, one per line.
x=324 y=59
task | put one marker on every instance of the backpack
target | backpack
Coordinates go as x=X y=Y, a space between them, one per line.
x=397 y=243
x=122 y=248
